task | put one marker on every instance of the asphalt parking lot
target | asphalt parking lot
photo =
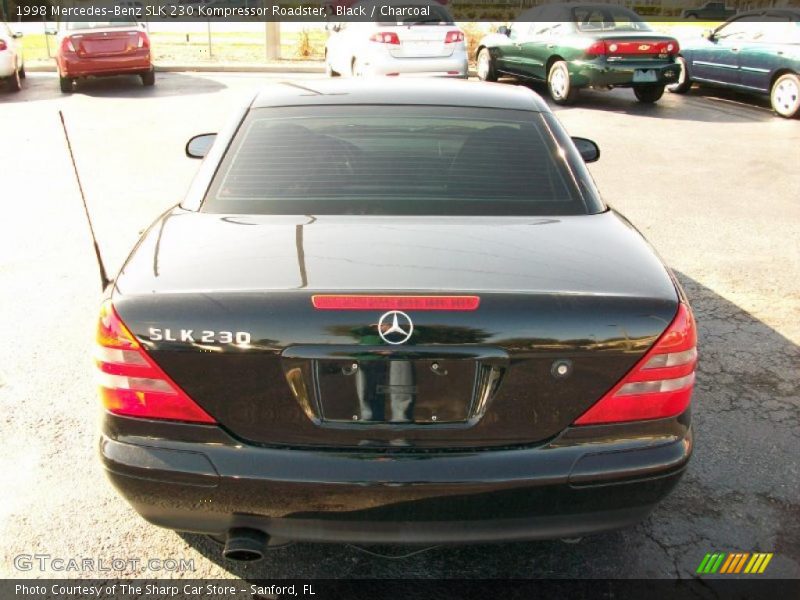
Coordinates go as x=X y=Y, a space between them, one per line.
x=710 y=178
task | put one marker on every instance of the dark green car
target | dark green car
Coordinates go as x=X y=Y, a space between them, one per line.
x=573 y=46
x=757 y=51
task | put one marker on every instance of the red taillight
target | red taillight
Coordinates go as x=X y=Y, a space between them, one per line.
x=454 y=36
x=131 y=383
x=597 y=49
x=660 y=385
x=623 y=47
x=144 y=42
x=385 y=37
x=672 y=47
x=3 y=45
x=364 y=302
x=67 y=45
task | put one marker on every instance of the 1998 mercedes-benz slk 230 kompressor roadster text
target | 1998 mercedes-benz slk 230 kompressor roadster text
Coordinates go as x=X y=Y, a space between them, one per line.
x=394 y=312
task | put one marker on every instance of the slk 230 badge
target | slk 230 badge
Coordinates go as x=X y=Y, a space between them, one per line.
x=204 y=336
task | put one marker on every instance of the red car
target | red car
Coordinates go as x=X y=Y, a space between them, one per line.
x=99 y=49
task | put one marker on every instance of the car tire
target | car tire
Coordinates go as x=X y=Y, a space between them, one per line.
x=22 y=73
x=149 y=78
x=648 y=94
x=14 y=83
x=65 y=83
x=559 y=85
x=785 y=95
x=328 y=70
x=485 y=66
x=684 y=84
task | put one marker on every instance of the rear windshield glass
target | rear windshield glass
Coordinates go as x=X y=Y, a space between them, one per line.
x=607 y=18
x=75 y=25
x=394 y=160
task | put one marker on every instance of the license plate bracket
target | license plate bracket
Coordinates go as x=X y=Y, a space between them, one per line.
x=645 y=76
x=395 y=391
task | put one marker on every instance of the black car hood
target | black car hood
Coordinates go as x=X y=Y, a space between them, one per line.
x=597 y=254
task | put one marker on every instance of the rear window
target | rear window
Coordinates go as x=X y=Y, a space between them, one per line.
x=607 y=18
x=399 y=160
x=123 y=23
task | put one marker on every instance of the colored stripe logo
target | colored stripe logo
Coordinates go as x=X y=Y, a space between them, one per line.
x=734 y=563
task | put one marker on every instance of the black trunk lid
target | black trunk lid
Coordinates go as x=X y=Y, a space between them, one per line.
x=584 y=291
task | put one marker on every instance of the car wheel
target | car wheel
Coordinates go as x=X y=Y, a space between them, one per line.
x=558 y=84
x=785 y=95
x=14 y=84
x=149 y=78
x=648 y=93
x=66 y=84
x=684 y=83
x=485 y=67
x=328 y=70
x=22 y=73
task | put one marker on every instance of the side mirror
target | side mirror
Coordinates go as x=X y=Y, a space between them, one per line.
x=16 y=35
x=199 y=145
x=710 y=35
x=503 y=30
x=589 y=151
x=50 y=31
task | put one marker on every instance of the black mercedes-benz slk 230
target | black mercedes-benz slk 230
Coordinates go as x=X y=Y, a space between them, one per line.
x=394 y=312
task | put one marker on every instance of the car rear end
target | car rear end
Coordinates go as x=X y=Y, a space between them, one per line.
x=627 y=60
x=101 y=49
x=394 y=369
x=617 y=49
x=9 y=61
x=422 y=41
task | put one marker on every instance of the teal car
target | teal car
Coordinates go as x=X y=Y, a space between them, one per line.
x=757 y=51
x=573 y=46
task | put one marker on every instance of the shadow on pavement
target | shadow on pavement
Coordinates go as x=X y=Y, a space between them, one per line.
x=130 y=86
x=701 y=104
x=740 y=492
x=44 y=86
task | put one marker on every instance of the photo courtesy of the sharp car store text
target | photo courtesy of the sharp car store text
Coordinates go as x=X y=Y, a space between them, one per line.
x=425 y=299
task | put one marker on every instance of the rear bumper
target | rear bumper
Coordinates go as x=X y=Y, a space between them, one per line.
x=446 y=66
x=585 y=481
x=7 y=64
x=71 y=65
x=603 y=73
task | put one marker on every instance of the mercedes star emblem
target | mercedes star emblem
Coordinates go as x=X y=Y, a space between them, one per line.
x=395 y=327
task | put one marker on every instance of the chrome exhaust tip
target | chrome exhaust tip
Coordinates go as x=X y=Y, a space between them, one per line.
x=245 y=545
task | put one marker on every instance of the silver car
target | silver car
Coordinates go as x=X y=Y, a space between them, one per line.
x=405 y=37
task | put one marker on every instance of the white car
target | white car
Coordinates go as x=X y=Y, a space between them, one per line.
x=404 y=37
x=12 y=65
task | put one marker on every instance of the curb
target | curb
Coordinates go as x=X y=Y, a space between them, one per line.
x=223 y=68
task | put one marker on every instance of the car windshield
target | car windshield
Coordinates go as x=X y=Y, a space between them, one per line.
x=607 y=18
x=123 y=23
x=418 y=160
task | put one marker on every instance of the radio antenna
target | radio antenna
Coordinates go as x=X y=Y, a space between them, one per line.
x=104 y=280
